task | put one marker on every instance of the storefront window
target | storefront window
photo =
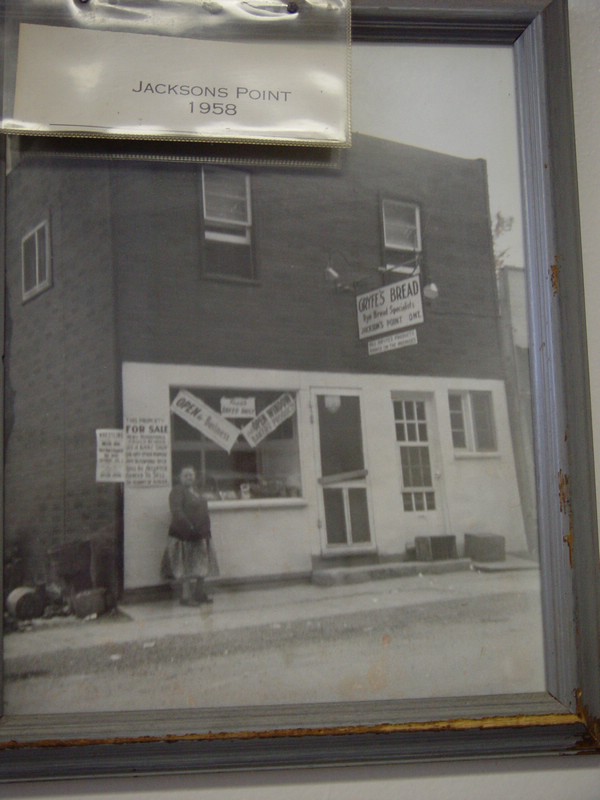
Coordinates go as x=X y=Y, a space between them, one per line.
x=262 y=461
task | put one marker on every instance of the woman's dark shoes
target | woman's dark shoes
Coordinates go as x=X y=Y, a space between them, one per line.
x=198 y=600
x=200 y=595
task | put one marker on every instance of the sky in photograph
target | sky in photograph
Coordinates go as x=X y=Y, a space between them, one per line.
x=456 y=100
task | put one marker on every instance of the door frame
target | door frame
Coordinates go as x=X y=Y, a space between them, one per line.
x=328 y=549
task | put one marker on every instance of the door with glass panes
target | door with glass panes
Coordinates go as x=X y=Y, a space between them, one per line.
x=342 y=473
x=420 y=483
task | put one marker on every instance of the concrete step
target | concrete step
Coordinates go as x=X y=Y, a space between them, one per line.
x=337 y=576
x=509 y=564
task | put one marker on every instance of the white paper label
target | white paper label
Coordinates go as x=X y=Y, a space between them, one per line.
x=393 y=342
x=137 y=456
x=110 y=455
x=74 y=79
x=146 y=452
x=397 y=305
x=238 y=407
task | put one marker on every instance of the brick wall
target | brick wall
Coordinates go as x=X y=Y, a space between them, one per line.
x=61 y=370
x=291 y=318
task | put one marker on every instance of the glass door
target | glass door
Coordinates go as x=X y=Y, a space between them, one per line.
x=418 y=478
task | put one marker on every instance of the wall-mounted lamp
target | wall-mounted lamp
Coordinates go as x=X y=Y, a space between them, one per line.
x=334 y=279
x=409 y=270
x=351 y=278
x=431 y=291
x=387 y=274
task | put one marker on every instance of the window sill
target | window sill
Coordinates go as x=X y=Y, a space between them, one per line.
x=231 y=279
x=31 y=294
x=258 y=503
x=335 y=550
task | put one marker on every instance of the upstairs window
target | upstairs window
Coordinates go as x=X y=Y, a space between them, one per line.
x=401 y=236
x=227 y=216
x=36 y=271
x=472 y=421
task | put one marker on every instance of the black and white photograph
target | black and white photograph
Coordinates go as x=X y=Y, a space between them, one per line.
x=268 y=428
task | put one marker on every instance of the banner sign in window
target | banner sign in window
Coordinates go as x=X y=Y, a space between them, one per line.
x=276 y=88
x=205 y=419
x=397 y=305
x=269 y=419
x=238 y=407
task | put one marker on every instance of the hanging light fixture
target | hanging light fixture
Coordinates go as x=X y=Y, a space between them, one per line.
x=332 y=403
x=431 y=291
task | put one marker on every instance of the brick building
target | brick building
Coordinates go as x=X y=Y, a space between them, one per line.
x=130 y=283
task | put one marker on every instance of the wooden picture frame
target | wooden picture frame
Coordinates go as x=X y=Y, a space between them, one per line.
x=565 y=719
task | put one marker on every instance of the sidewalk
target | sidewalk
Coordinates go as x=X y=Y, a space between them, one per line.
x=277 y=606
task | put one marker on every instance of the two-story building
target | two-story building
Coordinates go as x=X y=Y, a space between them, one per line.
x=322 y=345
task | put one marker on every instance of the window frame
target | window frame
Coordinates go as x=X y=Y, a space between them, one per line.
x=41 y=285
x=225 y=221
x=413 y=493
x=199 y=447
x=409 y=258
x=469 y=428
x=227 y=231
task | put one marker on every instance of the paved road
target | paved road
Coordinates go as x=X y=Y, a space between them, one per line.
x=455 y=641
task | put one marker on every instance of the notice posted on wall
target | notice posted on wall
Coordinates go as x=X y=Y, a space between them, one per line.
x=138 y=455
x=110 y=455
x=393 y=342
x=146 y=452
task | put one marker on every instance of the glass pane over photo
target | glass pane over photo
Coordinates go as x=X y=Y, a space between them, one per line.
x=301 y=393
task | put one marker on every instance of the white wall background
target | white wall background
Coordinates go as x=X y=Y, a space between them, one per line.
x=576 y=778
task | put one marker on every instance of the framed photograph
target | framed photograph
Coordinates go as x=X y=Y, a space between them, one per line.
x=297 y=453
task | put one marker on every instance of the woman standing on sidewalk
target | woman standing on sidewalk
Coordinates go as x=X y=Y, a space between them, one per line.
x=187 y=557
